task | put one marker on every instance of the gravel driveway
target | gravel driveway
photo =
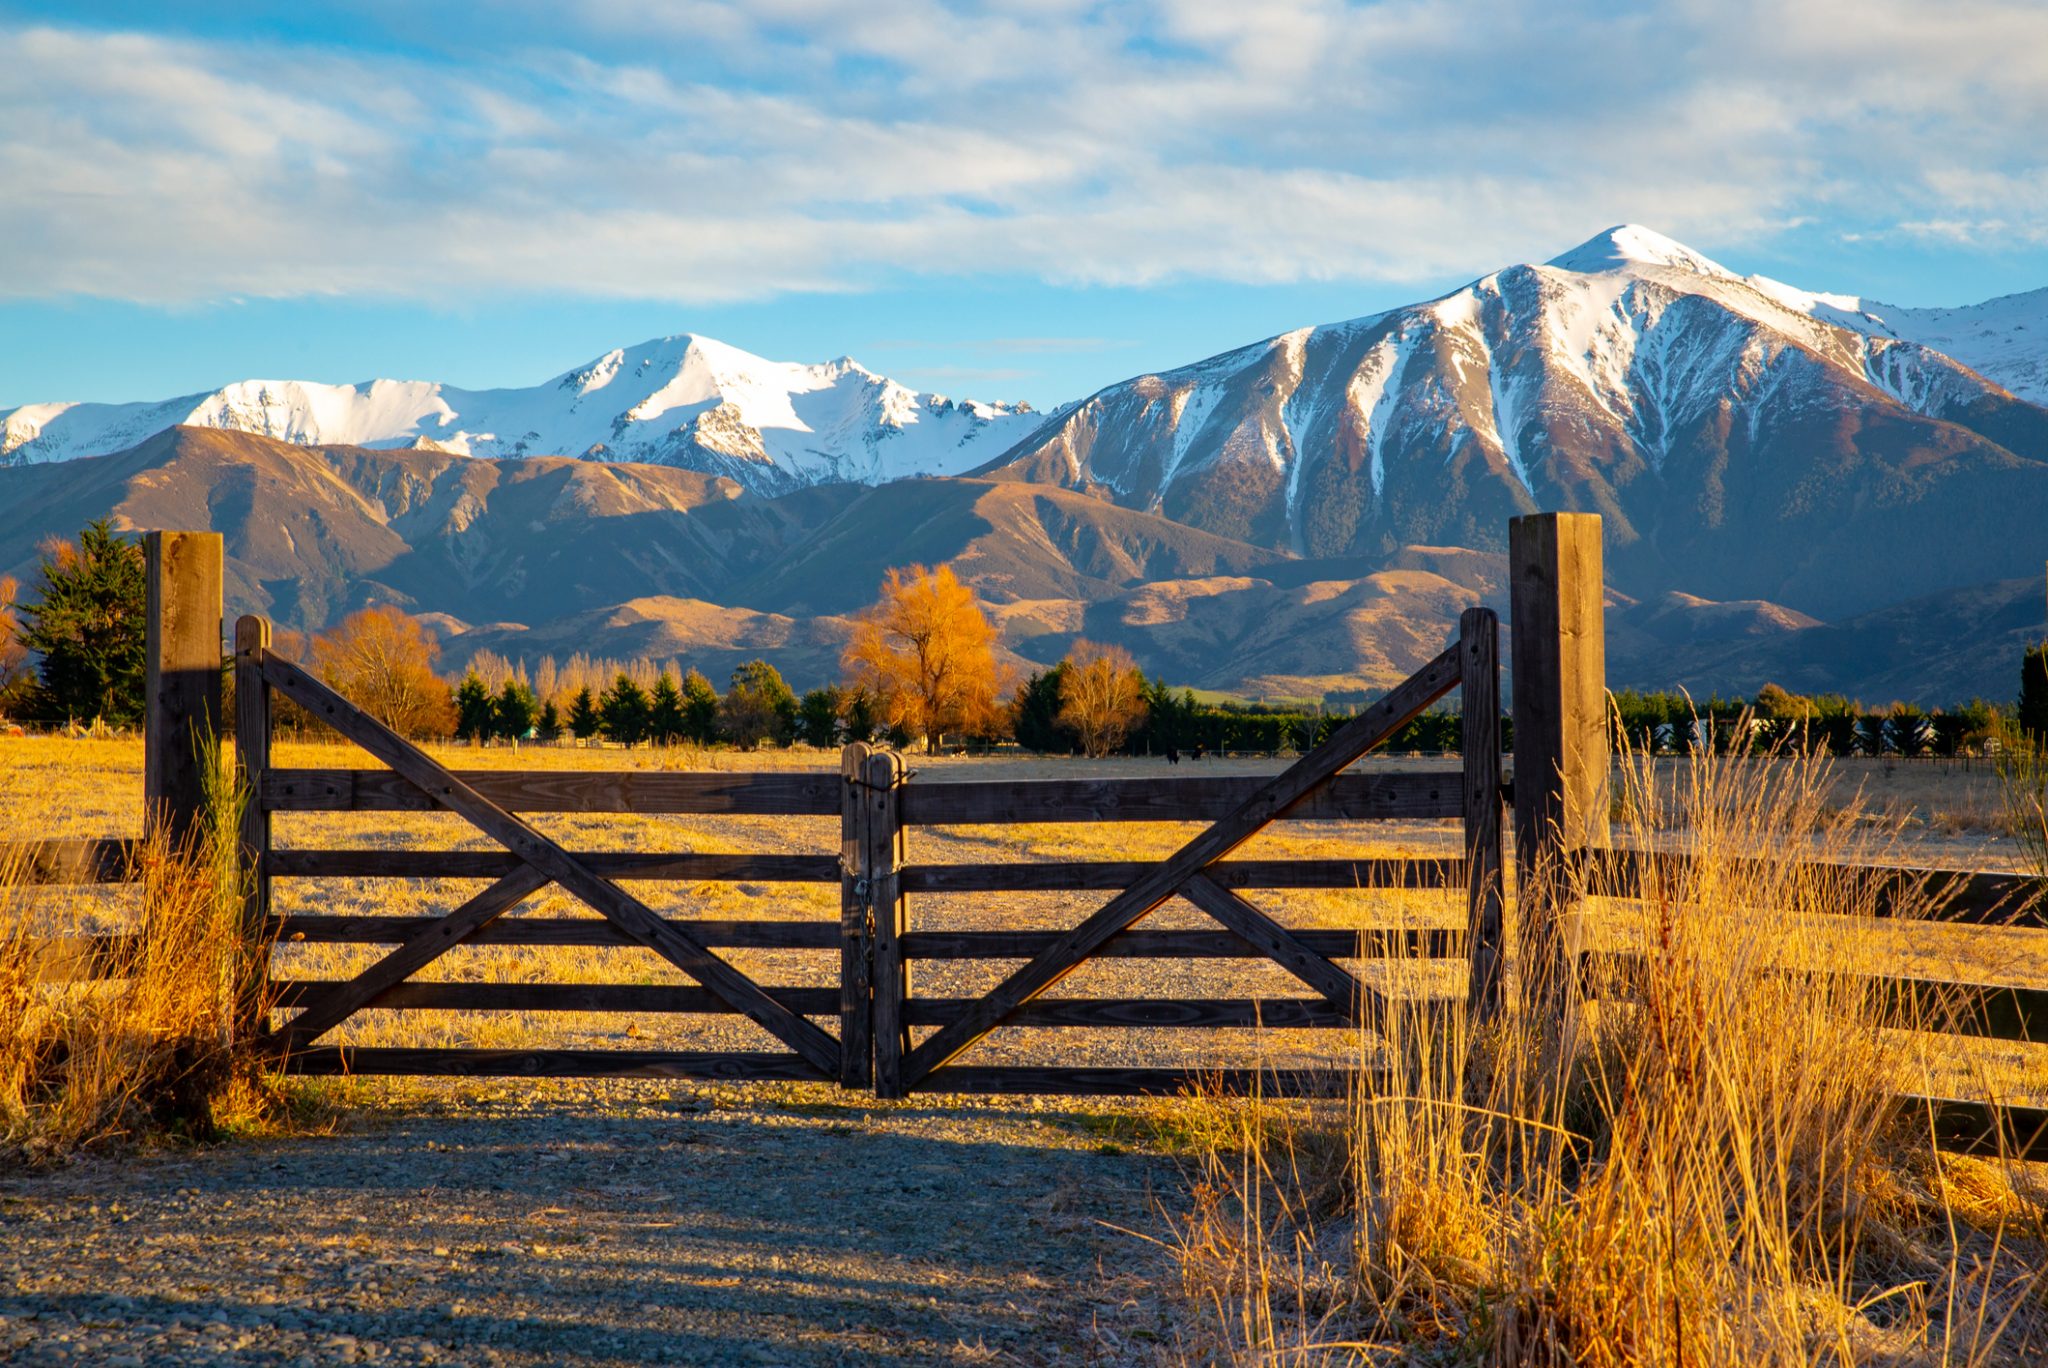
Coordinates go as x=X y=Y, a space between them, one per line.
x=606 y=1222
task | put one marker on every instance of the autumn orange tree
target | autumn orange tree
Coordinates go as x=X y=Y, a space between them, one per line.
x=926 y=653
x=1102 y=696
x=382 y=659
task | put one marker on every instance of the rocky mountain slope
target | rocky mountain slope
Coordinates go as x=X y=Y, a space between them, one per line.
x=689 y=402
x=1738 y=446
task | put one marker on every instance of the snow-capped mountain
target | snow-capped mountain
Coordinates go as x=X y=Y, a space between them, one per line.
x=682 y=401
x=1724 y=424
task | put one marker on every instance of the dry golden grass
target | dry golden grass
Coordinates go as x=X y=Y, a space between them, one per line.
x=145 y=1045
x=1708 y=1167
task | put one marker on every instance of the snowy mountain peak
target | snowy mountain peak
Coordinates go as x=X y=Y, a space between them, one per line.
x=684 y=400
x=1629 y=245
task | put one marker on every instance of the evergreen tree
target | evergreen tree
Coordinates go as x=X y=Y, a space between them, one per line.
x=583 y=718
x=624 y=710
x=549 y=726
x=1035 y=712
x=700 y=709
x=89 y=626
x=817 y=716
x=758 y=707
x=861 y=716
x=665 y=711
x=475 y=714
x=2034 y=694
x=515 y=710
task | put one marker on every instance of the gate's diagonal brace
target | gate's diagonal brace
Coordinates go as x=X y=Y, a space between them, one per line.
x=344 y=1000
x=1273 y=799
x=619 y=907
x=1338 y=985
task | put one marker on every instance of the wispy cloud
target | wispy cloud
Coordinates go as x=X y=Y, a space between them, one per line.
x=708 y=151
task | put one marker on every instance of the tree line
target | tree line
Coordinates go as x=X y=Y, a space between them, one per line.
x=920 y=666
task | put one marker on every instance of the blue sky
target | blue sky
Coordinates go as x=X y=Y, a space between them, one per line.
x=1003 y=200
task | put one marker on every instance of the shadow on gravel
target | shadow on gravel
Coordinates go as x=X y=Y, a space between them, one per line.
x=637 y=1231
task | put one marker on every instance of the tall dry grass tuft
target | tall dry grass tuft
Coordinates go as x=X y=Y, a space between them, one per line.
x=118 y=1030
x=1707 y=1166
x=2023 y=784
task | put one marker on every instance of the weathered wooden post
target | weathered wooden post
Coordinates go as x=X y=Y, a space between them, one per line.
x=252 y=758
x=1559 y=653
x=1479 y=679
x=884 y=852
x=856 y=924
x=182 y=711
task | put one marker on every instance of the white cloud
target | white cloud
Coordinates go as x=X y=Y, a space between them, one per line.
x=718 y=151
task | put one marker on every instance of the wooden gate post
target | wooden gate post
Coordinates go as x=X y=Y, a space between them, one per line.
x=1558 y=646
x=1479 y=676
x=252 y=758
x=881 y=795
x=856 y=925
x=183 y=704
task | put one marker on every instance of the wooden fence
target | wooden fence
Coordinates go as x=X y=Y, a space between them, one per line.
x=887 y=1036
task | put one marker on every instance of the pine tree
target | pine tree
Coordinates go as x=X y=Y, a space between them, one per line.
x=2034 y=694
x=514 y=712
x=817 y=716
x=1035 y=712
x=549 y=727
x=475 y=714
x=624 y=710
x=583 y=718
x=700 y=709
x=89 y=627
x=665 y=711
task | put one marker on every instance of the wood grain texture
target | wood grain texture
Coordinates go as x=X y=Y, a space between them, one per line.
x=492 y=864
x=92 y=860
x=1363 y=943
x=641 y=791
x=1138 y=1082
x=387 y=1060
x=1178 y=798
x=252 y=762
x=1108 y=875
x=1176 y=1013
x=1485 y=889
x=584 y=931
x=550 y=859
x=1274 y=798
x=182 y=680
x=416 y=995
x=880 y=794
x=856 y=926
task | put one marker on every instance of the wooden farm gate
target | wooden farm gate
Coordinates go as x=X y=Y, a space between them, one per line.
x=872 y=1002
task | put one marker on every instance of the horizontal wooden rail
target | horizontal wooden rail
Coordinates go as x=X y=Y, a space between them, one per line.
x=92 y=860
x=1378 y=943
x=1194 y=1013
x=737 y=1066
x=416 y=994
x=585 y=931
x=1965 y=896
x=1178 y=798
x=495 y=864
x=645 y=791
x=1117 y=874
x=1158 y=1082
x=1988 y=1011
